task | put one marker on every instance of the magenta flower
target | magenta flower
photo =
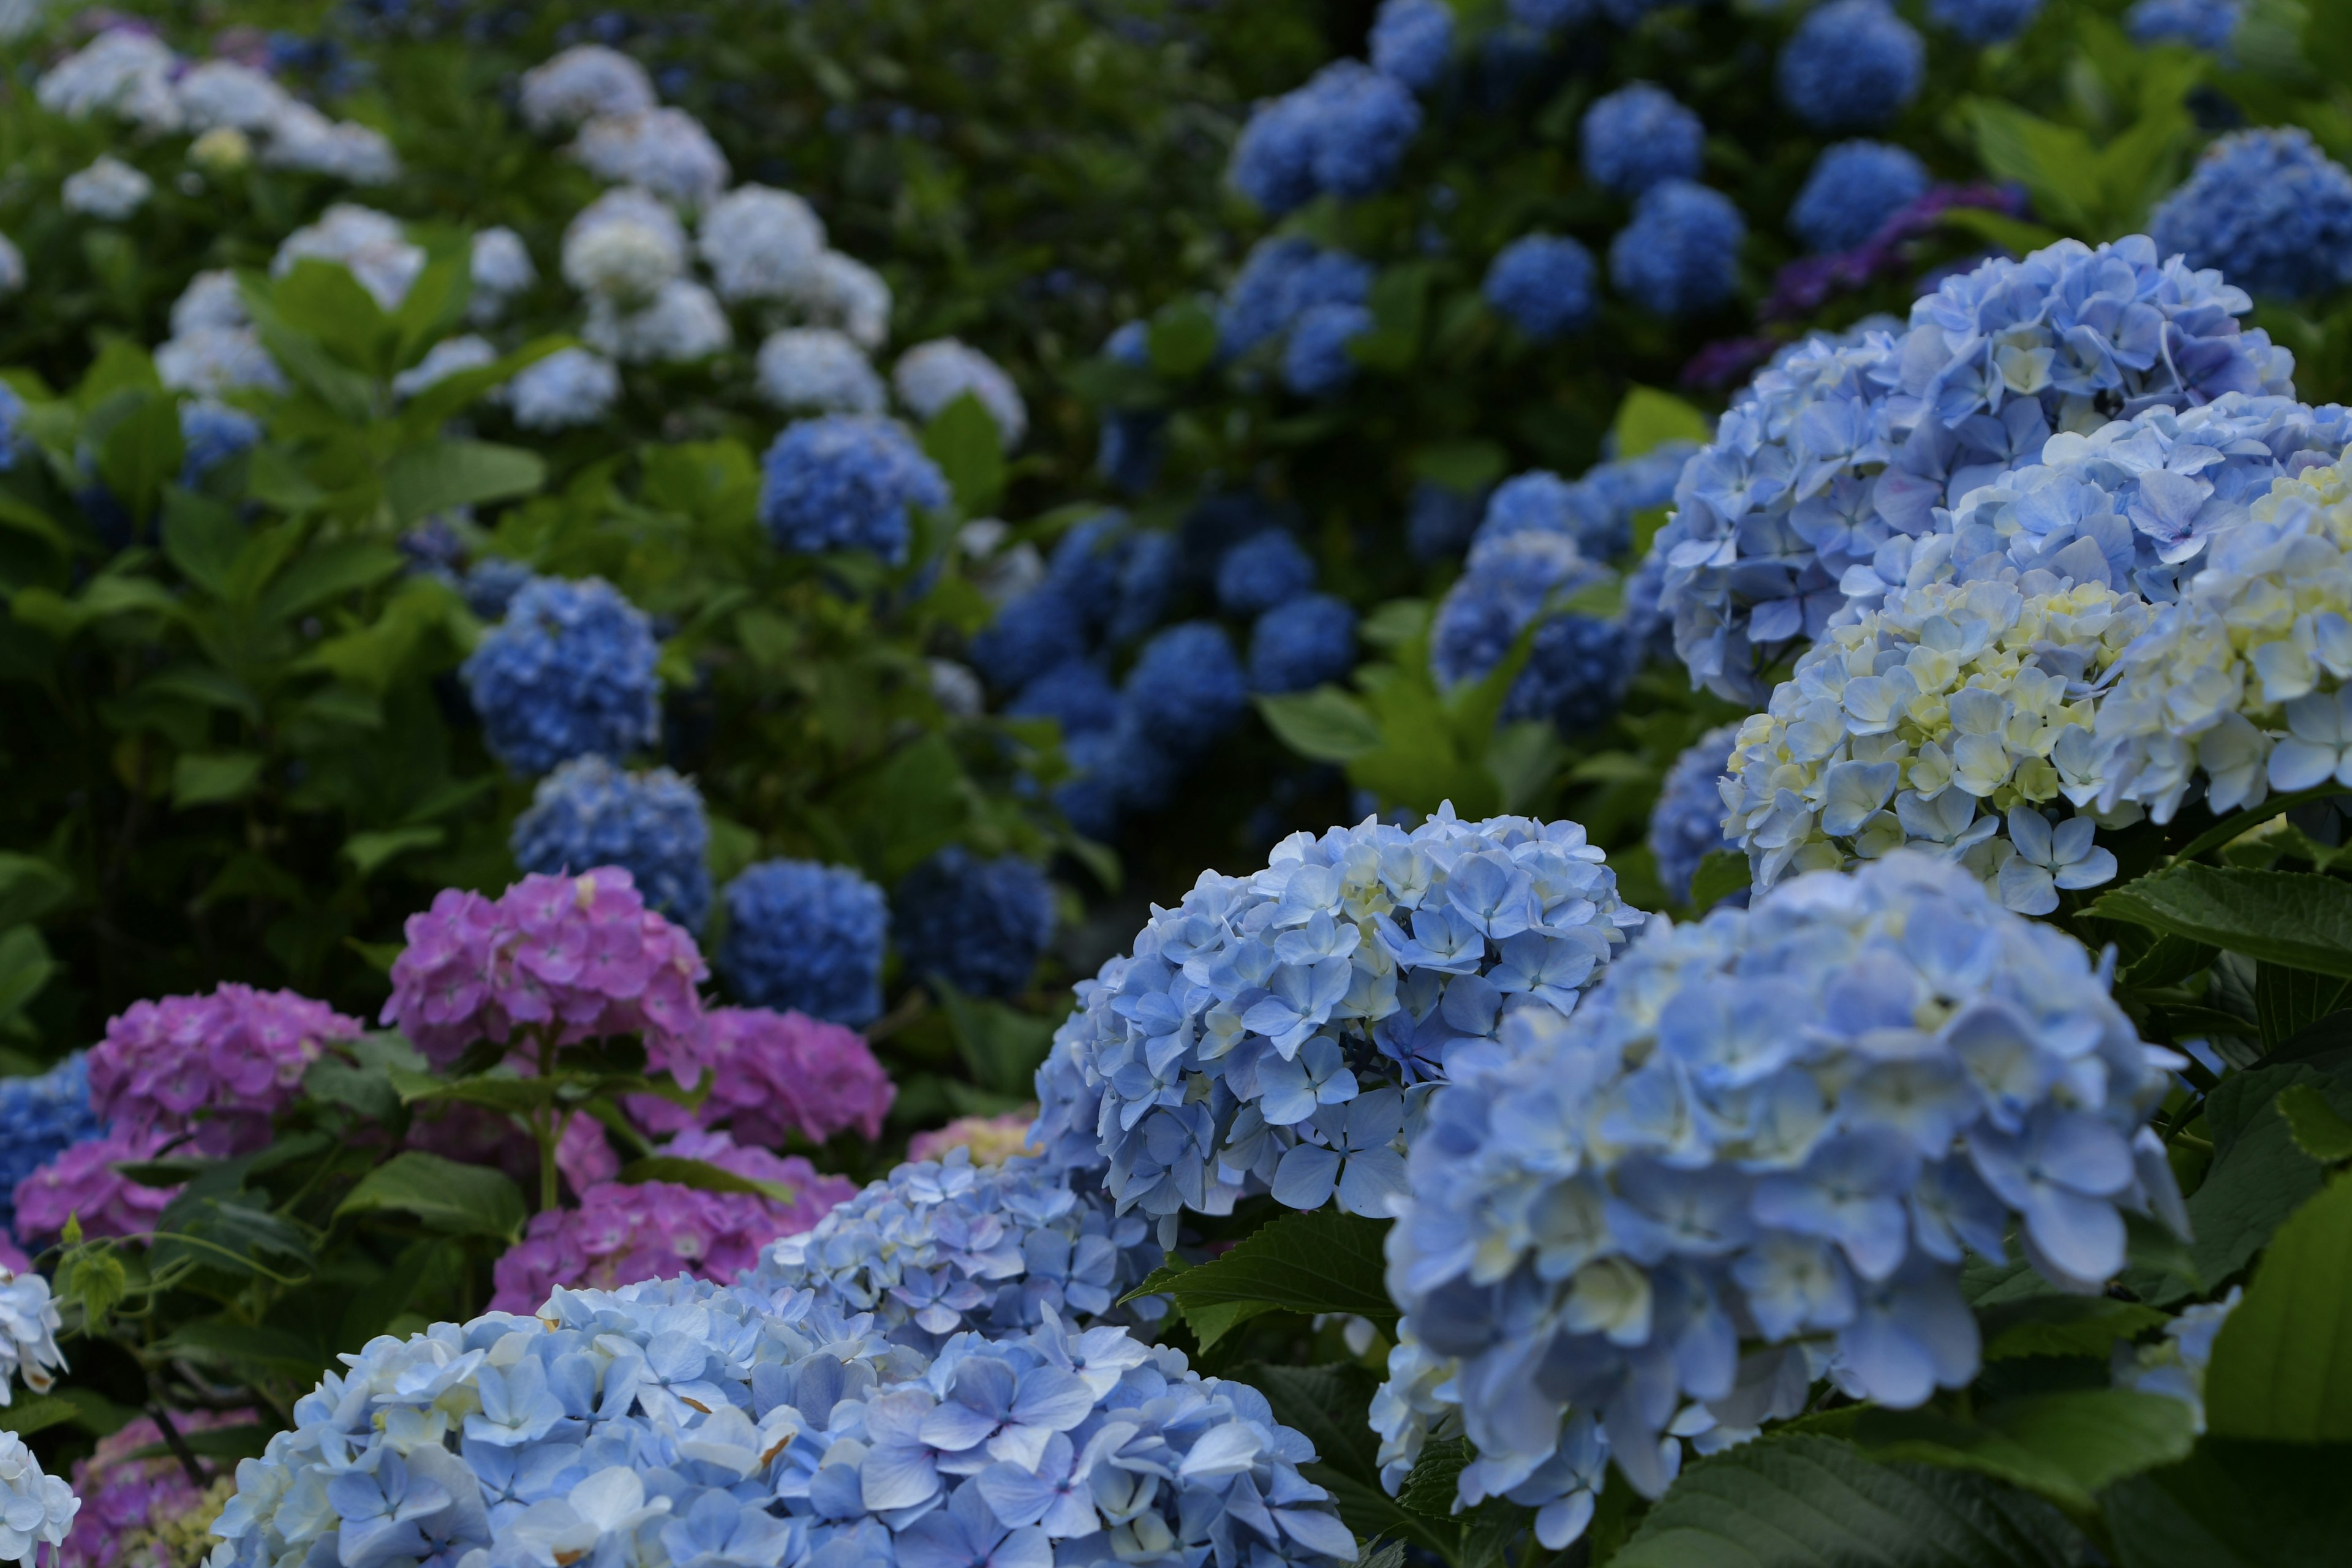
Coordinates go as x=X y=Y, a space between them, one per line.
x=217 y=1065
x=81 y=1182
x=123 y=1498
x=776 y=1075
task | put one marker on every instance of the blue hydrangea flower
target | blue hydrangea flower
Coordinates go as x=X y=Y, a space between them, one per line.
x=1301 y=644
x=210 y=435
x=846 y=481
x=1268 y=568
x=1637 y=136
x=1840 y=449
x=1851 y=65
x=588 y=814
x=978 y=924
x=1769 y=1127
x=491 y=582
x=1681 y=253
x=1984 y=21
x=904 y=1250
x=1578 y=666
x=1132 y=450
x=807 y=937
x=2207 y=25
x=1269 y=1033
x=12 y=419
x=1282 y=279
x=1540 y=501
x=1075 y=694
x=1315 y=362
x=568 y=673
x=40 y=1118
x=1119 y=770
x=1041 y=630
x=1552 y=15
x=1440 y=520
x=1686 y=822
x=1186 y=689
x=1855 y=188
x=1543 y=284
x=1148 y=575
x=2267 y=207
x=1342 y=135
x=1413 y=40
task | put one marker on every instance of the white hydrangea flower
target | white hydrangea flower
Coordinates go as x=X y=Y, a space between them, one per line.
x=216 y=94
x=210 y=300
x=583 y=82
x=665 y=151
x=108 y=189
x=762 y=244
x=932 y=375
x=372 y=245
x=35 y=1509
x=1924 y=721
x=684 y=322
x=570 y=387
x=302 y=138
x=443 y=360
x=818 y=370
x=502 y=269
x=622 y=247
x=12 y=267
x=122 y=70
x=848 y=294
x=29 y=1334
x=210 y=360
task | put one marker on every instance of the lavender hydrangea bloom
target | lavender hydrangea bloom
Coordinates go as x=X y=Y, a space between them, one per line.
x=568 y=673
x=1639 y=135
x=1413 y=40
x=846 y=481
x=1855 y=188
x=807 y=937
x=981 y=925
x=1851 y=65
x=1302 y=643
x=1782 y=1126
x=1578 y=666
x=1984 y=21
x=1686 y=822
x=1681 y=253
x=2268 y=208
x=1342 y=134
x=40 y=1118
x=588 y=813
x=1544 y=285
x=1272 y=1032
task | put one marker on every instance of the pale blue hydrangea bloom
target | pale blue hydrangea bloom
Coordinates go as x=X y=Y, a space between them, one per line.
x=1580 y=663
x=29 y=1335
x=1681 y=253
x=1276 y=1032
x=35 y=1509
x=1781 y=1127
x=1686 y=822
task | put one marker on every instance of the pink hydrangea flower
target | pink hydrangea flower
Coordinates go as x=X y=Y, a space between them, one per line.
x=778 y=1074
x=574 y=958
x=584 y=1154
x=218 y=1065
x=123 y=1498
x=992 y=1139
x=79 y=1182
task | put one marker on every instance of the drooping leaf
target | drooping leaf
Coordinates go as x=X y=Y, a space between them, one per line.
x=448 y=474
x=2282 y=1366
x=2065 y=1446
x=2298 y=918
x=469 y=1200
x=1324 y=1261
x=1325 y=725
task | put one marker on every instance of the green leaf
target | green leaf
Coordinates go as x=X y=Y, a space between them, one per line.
x=326 y=572
x=1324 y=1261
x=1804 y=1502
x=94 y=1276
x=489 y=1091
x=2065 y=1446
x=964 y=440
x=29 y=889
x=210 y=778
x=202 y=538
x=2011 y=234
x=1721 y=874
x=2236 y=1504
x=2059 y=1325
x=448 y=474
x=367 y=851
x=1649 y=418
x=2314 y=1125
x=1002 y=1046
x=25 y=966
x=1325 y=725
x=1328 y=1405
x=32 y=1412
x=223 y=1343
x=1432 y=1488
x=2282 y=1367
x=1525 y=758
x=1212 y=1323
x=2055 y=164
x=1183 y=339
x=2289 y=1001
x=2293 y=917
x=1388 y=1554
x=703 y=1177
x=468 y=1200
x=139 y=452
x=1466 y=466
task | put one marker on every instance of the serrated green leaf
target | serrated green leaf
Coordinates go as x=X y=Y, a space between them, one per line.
x=31 y=1413
x=2062 y=1325
x=2064 y=1446
x=2318 y=1131
x=2282 y=1366
x=1325 y=725
x=467 y=1200
x=2294 y=918
x=1432 y=1486
x=1324 y=1261
x=1722 y=873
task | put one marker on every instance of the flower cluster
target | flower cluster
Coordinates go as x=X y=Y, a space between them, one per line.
x=1317 y=361
x=1269 y=1033
x=665 y=151
x=588 y=812
x=807 y=937
x=1984 y=21
x=37 y=1510
x=1302 y=643
x=213 y=348
x=1851 y=65
x=624 y=247
x=932 y=375
x=988 y=1140
x=760 y=244
x=570 y=387
x=846 y=481
x=1579 y=665
x=1839 y=447
x=1681 y=253
x=1342 y=134
x=817 y=369
x=682 y=322
x=775 y=1077
x=29 y=1334
x=1855 y=188
x=585 y=82
x=216 y=1067
x=1686 y=822
x=81 y=1184
x=40 y=1118
x=1413 y=41
x=1543 y=284
x=2268 y=208
x=568 y=673
x=563 y=959
x=373 y=246
x=980 y=925
x=131 y=1505
x=1781 y=1125
x=936 y=1248
x=1639 y=136
x=1281 y=280
x=1268 y=568
x=109 y=190
x=2207 y=25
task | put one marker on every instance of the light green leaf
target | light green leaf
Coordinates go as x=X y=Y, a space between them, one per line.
x=1526 y=758
x=1467 y=467
x=29 y=889
x=1325 y=725
x=2282 y=1367
x=1183 y=339
x=2317 y=1127
x=202 y=538
x=1721 y=874
x=210 y=778
x=1323 y=1261
x=1649 y=418
x=31 y=1413
x=468 y=1200
x=964 y=440
x=2293 y=917
x=447 y=474
x=139 y=452
x=2065 y=1446
x=367 y=851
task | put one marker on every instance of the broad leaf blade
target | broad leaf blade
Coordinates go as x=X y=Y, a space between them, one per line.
x=2291 y=918
x=1325 y=1261
x=471 y=1200
x=2282 y=1367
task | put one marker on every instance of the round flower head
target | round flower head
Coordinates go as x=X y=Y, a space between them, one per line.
x=1839 y=447
x=38 y=1509
x=681 y=324
x=211 y=361
x=109 y=189
x=1413 y=41
x=568 y=388
x=981 y=925
x=932 y=375
x=491 y=584
x=845 y=481
x=1686 y=822
x=502 y=270
x=1851 y=65
x=760 y=244
x=1075 y=694
x=588 y=813
x=586 y=81
x=1040 y=631
x=450 y=356
x=40 y=1118
x=121 y=71
x=1342 y=134
x=1984 y=21
x=1681 y=253
x=2207 y=25
x=81 y=1184
x=216 y=1066
x=665 y=151
x=807 y=937
x=1578 y=666
x=1186 y=689
x=1271 y=1032
x=510 y=969
x=848 y=294
x=1268 y=568
x=569 y=673
x=371 y=244
x=210 y=435
x=2268 y=208
x=934 y=1249
x=1584 y=512
x=622 y=247
x=816 y=370
x=1283 y=278
x=1855 y=186
x=1315 y=362
x=1301 y=644
x=775 y=1077
x=1637 y=136
x=1544 y=285
x=29 y=1335
x=1779 y=1126
x=302 y=138
x=988 y=1140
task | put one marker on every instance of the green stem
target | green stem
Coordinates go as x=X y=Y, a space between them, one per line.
x=547 y=1126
